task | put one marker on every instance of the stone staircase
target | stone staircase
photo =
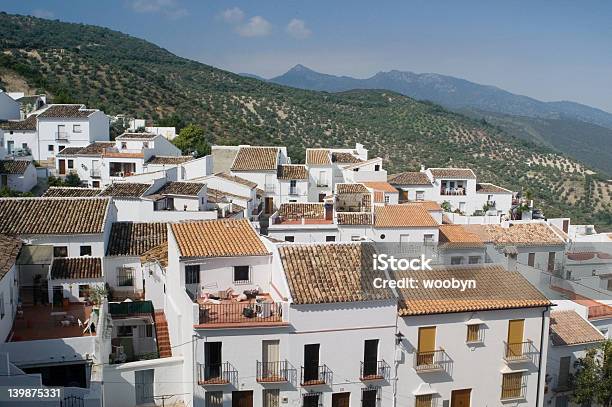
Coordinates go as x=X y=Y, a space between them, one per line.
x=162 y=334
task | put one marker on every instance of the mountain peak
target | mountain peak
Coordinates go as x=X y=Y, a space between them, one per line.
x=300 y=68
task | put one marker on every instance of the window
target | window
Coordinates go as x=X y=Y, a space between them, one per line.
x=123 y=145
x=424 y=400
x=387 y=198
x=50 y=148
x=370 y=396
x=377 y=167
x=456 y=260
x=242 y=274
x=214 y=399
x=83 y=290
x=70 y=164
x=85 y=251
x=76 y=128
x=355 y=238
x=289 y=238
x=60 y=251
x=124 y=330
x=145 y=144
x=512 y=386
x=333 y=239
x=474 y=259
x=428 y=238
x=531 y=259
x=271 y=397
x=24 y=146
x=2 y=306
x=474 y=333
x=420 y=195
x=125 y=277
x=60 y=148
x=192 y=274
x=311 y=400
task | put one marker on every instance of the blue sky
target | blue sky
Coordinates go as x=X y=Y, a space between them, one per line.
x=550 y=50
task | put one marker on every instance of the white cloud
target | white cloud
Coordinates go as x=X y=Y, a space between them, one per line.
x=297 y=29
x=170 y=8
x=42 y=13
x=232 y=15
x=257 y=26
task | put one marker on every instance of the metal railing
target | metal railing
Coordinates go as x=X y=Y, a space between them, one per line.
x=430 y=361
x=452 y=191
x=513 y=387
x=274 y=372
x=61 y=135
x=518 y=352
x=374 y=370
x=316 y=375
x=293 y=191
x=236 y=313
x=216 y=373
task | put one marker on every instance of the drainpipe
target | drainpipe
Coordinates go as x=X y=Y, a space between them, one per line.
x=542 y=336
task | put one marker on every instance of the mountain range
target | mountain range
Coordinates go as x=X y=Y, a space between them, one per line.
x=121 y=74
x=581 y=131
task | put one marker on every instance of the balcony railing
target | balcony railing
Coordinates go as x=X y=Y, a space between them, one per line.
x=316 y=375
x=241 y=312
x=61 y=135
x=430 y=361
x=293 y=191
x=374 y=370
x=275 y=372
x=491 y=204
x=452 y=191
x=518 y=352
x=217 y=373
x=514 y=388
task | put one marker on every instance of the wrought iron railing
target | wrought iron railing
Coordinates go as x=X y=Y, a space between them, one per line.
x=374 y=370
x=217 y=373
x=430 y=361
x=274 y=372
x=316 y=375
x=238 y=312
x=518 y=351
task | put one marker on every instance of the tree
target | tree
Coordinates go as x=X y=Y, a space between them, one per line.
x=171 y=121
x=191 y=140
x=592 y=380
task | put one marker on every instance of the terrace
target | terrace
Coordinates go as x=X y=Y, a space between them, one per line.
x=38 y=322
x=453 y=187
x=236 y=311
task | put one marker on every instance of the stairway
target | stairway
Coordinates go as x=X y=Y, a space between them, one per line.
x=162 y=334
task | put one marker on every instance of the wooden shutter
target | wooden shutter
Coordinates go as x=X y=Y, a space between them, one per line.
x=424 y=400
x=511 y=385
x=473 y=332
x=515 y=337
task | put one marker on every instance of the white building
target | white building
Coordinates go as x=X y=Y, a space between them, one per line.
x=9 y=107
x=20 y=138
x=292 y=183
x=17 y=175
x=9 y=250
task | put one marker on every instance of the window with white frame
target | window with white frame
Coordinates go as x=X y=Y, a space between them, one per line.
x=456 y=260
x=76 y=128
x=387 y=198
x=420 y=195
x=192 y=274
x=474 y=259
x=242 y=274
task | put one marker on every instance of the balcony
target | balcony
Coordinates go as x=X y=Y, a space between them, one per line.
x=61 y=136
x=275 y=372
x=316 y=375
x=374 y=370
x=232 y=313
x=216 y=374
x=518 y=352
x=433 y=361
x=452 y=191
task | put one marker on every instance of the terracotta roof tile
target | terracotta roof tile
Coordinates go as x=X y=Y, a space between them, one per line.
x=354 y=218
x=125 y=190
x=454 y=173
x=302 y=210
x=496 y=288
x=362 y=163
x=75 y=111
x=345 y=158
x=70 y=151
x=409 y=178
x=431 y=206
x=238 y=180
x=518 y=234
x=350 y=188
x=569 y=328
x=396 y=216
x=16 y=167
x=157 y=254
x=486 y=188
x=381 y=186
x=136 y=136
x=169 y=160
x=9 y=250
x=218 y=238
x=256 y=159
x=292 y=171
x=330 y=273
x=317 y=156
x=28 y=124
x=98 y=148
x=67 y=192
x=53 y=216
x=76 y=268
x=134 y=239
x=181 y=188
x=457 y=236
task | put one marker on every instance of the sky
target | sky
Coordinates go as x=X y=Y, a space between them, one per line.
x=546 y=49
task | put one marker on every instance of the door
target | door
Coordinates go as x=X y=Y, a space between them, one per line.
x=531 y=260
x=242 y=398
x=321 y=197
x=269 y=205
x=341 y=399
x=461 y=398
x=403 y=195
x=3 y=180
x=270 y=356
x=566 y=225
x=10 y=146
x=427 y=345
x=212 y=363
x=62 y=167
x=551 y=262
x=564 y=367
x=329 y=212
x=370 y=357
x=515 y=337
x=144 y=386
x=311 y=362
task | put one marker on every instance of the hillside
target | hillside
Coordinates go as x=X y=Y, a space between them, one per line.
x=122 y=74
x=580 y=131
